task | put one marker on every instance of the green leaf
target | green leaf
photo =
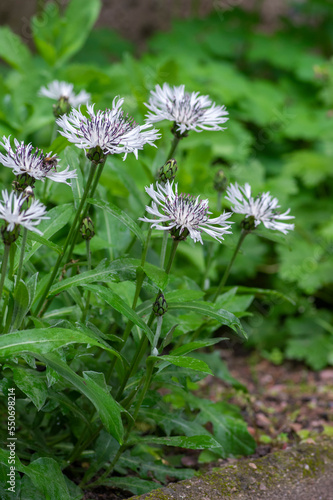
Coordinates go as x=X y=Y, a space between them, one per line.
x=108 y=409
x=21 y=304
x=207 y=309
x=59 y=216
x=72 y=158
x=43 y=241
x=192 y=346
x=13 y=50
x=117 y=303
x=190 y=442
x=45 y=474
x=157 y=275
x=133 y=484
x=32 y=384
x=99 y=274
x=42 y=341
x=185 y=362
x=121 y=216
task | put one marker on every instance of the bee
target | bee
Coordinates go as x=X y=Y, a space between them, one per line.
x=49 y=163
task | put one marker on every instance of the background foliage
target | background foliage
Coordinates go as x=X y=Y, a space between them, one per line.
x=279 y=93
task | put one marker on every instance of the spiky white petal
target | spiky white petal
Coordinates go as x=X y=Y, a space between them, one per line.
x=263 y=208
x=24 y=159
x=190 y=111
x=111 y=130
x=182 y=211
x=55 y=90
x=11 y=212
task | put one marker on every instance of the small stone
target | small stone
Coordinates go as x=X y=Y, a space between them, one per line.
x=306 y=467
x=252 y=465
x=262 y=487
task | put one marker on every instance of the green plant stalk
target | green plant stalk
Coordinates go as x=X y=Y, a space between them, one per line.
x=142 y=347
x=67 y=241
x=4 y=267
x=85 y=211
x=79 y=445
x=86 y=309
x=164 y=248
x=148 y=376
x=228 y=269
x=173 y=148
x=20 y=266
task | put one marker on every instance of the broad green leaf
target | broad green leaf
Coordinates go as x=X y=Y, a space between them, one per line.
x=108 y=409
x=206 y=309
x=43 y=241
x=45 y=474
x=185 y=362
x=99 y=274
x=121 y=216
x=44 y=340
x=192 y=346
x=21 y=304
x=13 y=50
x=189 y=442
x=117 y=303
x=72 y=158
x=32 y=384
x=133 y=484
x=264 y=292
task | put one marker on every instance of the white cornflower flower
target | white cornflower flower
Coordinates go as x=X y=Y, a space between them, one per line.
x=189 y=111
x=27 y=160
x=57 y=90
x=263 y=208
x=12 y=213
x=183 y=214
x=111 y=130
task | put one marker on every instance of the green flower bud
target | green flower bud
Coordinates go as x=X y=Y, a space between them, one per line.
x=220 y=181
x=22 y=182
x=168 y=171
x=248 y=224
x=177 y=235
x=96 y=155
x=87 y=229
x=62 y=107
x=9 y=237
x=160 y=305
x=176 y=132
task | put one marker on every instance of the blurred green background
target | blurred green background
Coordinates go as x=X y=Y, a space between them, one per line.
x=277 y=84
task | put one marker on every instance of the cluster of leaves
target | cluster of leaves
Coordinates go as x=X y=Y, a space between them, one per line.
x=278 y=138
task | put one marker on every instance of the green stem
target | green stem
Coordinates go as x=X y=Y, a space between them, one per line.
x=173 y=148
x=85 y=312
x=142 y=347
x=164 y=248
x=4 y=267
x=85 y=211
x=20 y=266
x=228 y=269
x=67 y=241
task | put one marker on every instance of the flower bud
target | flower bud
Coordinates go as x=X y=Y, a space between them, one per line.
x=160 y=305
x=9 y=237
x=177 y=235
x=96 y=155
x=248 y=224
x=62 y=107
x=220 y=181
x=168 y=171
x=22 y=182
x=87 y=229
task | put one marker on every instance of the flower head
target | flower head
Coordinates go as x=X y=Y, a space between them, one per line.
x=111 y=130
x=183 y=214
x=62 y=90
x=24 y=159
x=12 y=212
x=188 y=111
x=263 y=208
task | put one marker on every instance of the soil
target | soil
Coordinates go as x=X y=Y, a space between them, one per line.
x=285 y=405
